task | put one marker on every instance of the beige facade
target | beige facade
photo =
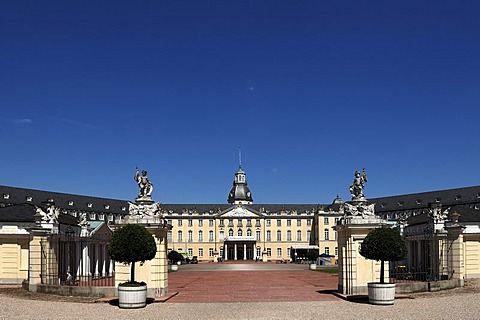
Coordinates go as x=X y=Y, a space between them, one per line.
x=243 y=232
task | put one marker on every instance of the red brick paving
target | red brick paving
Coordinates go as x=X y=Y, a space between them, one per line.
x=251 y=286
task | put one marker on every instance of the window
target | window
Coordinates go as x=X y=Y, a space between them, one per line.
x=210 y=252
x=299 y=235
x=269 y=235
x=289 y=235
x=308 y=235
x=288 y=252
x=327 y=250
x=249 y=232
x=200 y=252
x=6 y=196
x=258 y=252
x=180 y=222
x=190 y=235
x=190 y=252
x=257 y=235
x=326 y=233
x=336 y=251
x=169 y=236
x=101 y=216
x=335 y=234
x=269 y=222
x=210 y=235
x=200 y=236
x=222 y=223
x=222 y=235
x=279 y=223
x=336 y=220
x=210 y=222
x=29 y=199
x=269 y=252
x=169 y=221
x=190 y=222
x=257 y=223
x=239 y=232
x=289 y=222
x=299 y=222
x=107 y=207
x=279 y=252
x=200 y=223
x=230 y=222
x=325 y=221
x=230 y=232
x=89 y=205
x=279 y=235
x=180 y=236
x=249 y=222
x=70 y=203
x=239 y=222
x=309 y=222
x=221 y=252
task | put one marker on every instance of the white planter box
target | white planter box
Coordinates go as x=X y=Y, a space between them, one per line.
x=132 y=297
x=313 y=266
x=381 y=293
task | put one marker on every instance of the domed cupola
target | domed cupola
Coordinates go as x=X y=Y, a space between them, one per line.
x=240 y=194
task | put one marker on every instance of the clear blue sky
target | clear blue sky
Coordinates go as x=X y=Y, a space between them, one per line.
x=311 y=91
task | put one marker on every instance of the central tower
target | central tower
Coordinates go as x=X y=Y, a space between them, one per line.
x=240 y=194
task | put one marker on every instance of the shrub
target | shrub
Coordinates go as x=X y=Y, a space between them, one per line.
x=174 y=256
x=383 y=244
x=132 y=243
x=312 y=255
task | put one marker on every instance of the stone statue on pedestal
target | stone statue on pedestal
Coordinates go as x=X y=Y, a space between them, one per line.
x=146 y=187
x=356 y=189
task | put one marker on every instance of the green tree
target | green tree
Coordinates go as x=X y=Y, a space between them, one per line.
x=132 y=243
x=383 y=244
x=174 y=256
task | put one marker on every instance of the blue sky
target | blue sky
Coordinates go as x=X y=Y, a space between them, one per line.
x=310 y=90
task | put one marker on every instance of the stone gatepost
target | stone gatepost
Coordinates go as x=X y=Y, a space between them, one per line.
x=455 y=240
x=354 y=271
x=145 y=212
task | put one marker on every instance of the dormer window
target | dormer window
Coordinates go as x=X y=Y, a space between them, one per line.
x=50 y=200
x=6 y=196
x=70 y=203
x=124 y=208
x=418 y=201
x=458 y=197
x=400 y=203
x=383 y=205
x=107 y=207
x=89 y=205
x=438 y=199
x=29 y=199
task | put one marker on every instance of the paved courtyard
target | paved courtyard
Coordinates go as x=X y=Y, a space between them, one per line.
x=250 y=282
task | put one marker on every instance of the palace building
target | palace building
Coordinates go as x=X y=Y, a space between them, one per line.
x=240 y=229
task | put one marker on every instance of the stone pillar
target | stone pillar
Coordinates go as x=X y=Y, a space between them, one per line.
x=455 y=238
x=354 y=271
x=235 y=252
x=153 y=272
x=244 y=251
x=225 y=252
x=37 y=266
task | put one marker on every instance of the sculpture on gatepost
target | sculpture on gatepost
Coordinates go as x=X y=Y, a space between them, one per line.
x=356 y=189
x=146 y=187
x=358 y=206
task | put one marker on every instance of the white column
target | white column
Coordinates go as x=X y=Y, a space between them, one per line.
x=235 y=252
x=86 y=260
x=225 y=252
x=244 y=251
x=254 y=251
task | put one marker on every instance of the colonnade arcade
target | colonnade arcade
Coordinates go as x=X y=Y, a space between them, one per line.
x=240 y=248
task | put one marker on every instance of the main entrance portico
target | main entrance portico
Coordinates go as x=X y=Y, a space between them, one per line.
x=239 y=248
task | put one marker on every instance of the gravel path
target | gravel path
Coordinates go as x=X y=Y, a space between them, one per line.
x=459 y=303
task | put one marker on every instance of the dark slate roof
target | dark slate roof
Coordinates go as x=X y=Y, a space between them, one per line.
x=80 y=203
x=450 y=197
x=25 y=212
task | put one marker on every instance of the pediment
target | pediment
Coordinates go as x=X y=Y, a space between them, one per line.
x=239 y=211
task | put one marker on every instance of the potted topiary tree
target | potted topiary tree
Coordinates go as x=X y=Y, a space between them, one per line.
x=174 y=258
x=130 y=244
x=312 y=256
x=383 y=244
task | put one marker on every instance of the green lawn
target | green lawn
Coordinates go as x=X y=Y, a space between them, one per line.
x=327 y=269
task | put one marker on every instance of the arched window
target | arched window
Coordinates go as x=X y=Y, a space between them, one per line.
x=249 y=232
x=230 y=232
x=239 y=232
x=269 y=235
x=279 y=235
x=289 y=235
x=180 y=236
x=190 y=235
x=200 y=235
x=210 y=235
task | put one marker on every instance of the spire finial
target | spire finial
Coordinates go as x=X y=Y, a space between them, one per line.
x=240 y=157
